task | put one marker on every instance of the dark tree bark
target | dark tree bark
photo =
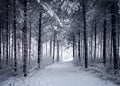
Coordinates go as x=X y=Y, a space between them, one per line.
x=3 y=40
x=118 y=41
x=15 y=53
x=7 y=29
x=73 y=45
x=54 y=40
x=25 y=40
x=79 y=46
x=50 y=47
x=46 y=49
x=95 y=40
x=9 y=43
x=104 y=42
x=111 y=49
x=92 y=45
x=12 y=51
x=58 y=46
x=39 y=41
x=30 y=43
x=114 y=12
x=0 y=48
x=85 y=36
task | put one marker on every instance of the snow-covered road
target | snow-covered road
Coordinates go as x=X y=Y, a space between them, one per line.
x=58 y=74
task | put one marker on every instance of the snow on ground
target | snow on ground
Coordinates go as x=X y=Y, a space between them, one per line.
x=58 y=74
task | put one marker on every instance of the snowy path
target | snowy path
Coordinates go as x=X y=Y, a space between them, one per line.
x=59 y=74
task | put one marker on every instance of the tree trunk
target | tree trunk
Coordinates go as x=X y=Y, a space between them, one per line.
x=95 y=40
x=12 y=50
x=85 y=36
x=3 y=40
x=46 y=49
x=9 y=44
x=111 y=50
x=79 y=46
x=118 y=42
x=30 y=43
x=54 y=46
x=15 y=53
x=7 y=29
x=114 y=13
x=104 y=42
x=73 y=45
x=0 y=48
x=39 y=41
x=58 y=51
x=92 y=45
x=50 y=47
x=25 y=40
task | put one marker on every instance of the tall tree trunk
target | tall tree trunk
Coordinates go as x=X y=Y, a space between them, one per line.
x=104 y=42
x=7 y=29
x=15 y=53
x=30 y=43
x=92 y=45
x=95 y=40
x=111 y=50
x=118 y=42
x=12 y=51
x=58 y=51
x=39 y=41
x=9 y=44
x=18 y=45
x=0 y=48
x=79 y=46
x=25 y=40
x=54 y=46
x=46 y=49
x=85 y=36
x=73 y=45
x=50 y=47
x=114 y=12
x=3 y=40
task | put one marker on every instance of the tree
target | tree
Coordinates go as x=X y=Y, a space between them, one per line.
x=114 y=12
x=54 y=41
x=95 y=39
x=85 y=35
x=104 y=42
x=58 y=46
x=7 y=30
x=30 y=42
x=0 y=48
x=79 y=45
x=39 y=41
x=15 y=53
x=25 y=40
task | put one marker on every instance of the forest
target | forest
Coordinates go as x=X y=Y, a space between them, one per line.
x=57 y=36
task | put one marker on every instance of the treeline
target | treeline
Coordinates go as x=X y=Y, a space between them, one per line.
x=25 y=36
x=96 y=33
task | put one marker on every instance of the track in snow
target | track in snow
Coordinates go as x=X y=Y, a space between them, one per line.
x=58 y=74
